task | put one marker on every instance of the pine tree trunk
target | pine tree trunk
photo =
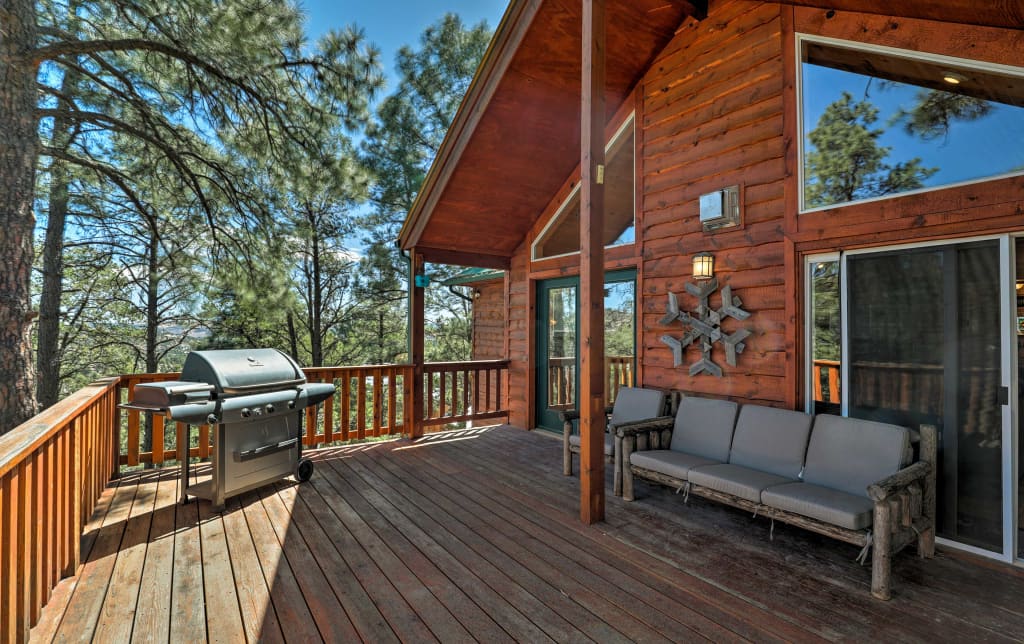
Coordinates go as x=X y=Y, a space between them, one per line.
x=152 y=302
x=316 y=335
x=18 y=154
x=48 y=334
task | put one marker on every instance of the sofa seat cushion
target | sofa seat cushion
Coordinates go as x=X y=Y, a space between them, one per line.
x=849 y=454
x=668 y=462
x=771 y=440
x=636 y=403
x=737 y=480
x=704 y=427
x=609 y=442
x=825 y=504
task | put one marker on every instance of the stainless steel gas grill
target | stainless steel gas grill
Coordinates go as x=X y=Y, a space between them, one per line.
x=254 y=401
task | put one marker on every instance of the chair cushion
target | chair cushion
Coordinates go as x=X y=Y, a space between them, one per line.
x=635 y=403
x=771 y=440
x=822 y=503
x=850 y=454
x=609 y=442
x=737 y=480
x=668 y=462
x=704 y=427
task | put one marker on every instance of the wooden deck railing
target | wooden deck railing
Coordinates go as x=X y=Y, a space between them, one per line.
x=464 y=391
x=53 y=468
x=618 y=373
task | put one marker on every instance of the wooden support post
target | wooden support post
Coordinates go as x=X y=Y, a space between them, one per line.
x=416 y=329
x=591 y=344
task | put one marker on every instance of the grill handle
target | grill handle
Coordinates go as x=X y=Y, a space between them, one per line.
x=264 y=386
x=263 y=450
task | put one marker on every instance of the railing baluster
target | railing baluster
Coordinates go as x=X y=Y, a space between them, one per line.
x=329 y=417
x=133 y=437
x=361 y=404
x=392 y=398
x=158 y=439
x=378 y=400
x=346 y=405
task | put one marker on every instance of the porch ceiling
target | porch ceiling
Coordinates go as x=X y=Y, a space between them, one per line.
x=516 y=136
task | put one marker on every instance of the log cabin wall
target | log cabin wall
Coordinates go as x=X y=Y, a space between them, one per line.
x=489 y=321
x=713 y=118
x=519 y=338
x=718 y=108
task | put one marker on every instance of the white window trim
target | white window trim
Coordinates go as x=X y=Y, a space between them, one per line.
x=628 y=123
x=937 y=59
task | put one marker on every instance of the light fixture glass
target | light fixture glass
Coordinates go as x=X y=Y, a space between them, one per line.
x=703 y=266
x=953 y=78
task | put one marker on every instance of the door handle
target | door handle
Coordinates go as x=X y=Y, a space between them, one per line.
x=1004 y=395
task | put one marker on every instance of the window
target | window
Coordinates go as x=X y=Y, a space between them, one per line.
x=562 y=234
x=879 y=121
x=825 y=329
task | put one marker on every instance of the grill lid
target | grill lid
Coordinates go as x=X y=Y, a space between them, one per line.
x=241 y=371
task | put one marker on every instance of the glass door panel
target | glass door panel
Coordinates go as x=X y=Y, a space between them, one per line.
x=557 y=378
x=561 y=354
x=925 y=347
x=619 y=333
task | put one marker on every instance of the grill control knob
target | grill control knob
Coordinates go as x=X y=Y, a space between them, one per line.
x=246 y=413
x=212 y=419
x=291 y=404
x=270 y=409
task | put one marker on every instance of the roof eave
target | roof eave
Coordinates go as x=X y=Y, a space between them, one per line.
x=507 y=37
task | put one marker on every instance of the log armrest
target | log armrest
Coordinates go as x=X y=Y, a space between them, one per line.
x=660 y=423
x=569 y=415
x=890 y=485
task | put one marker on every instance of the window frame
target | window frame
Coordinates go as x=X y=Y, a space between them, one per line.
x=936 y=59
x=627 y=123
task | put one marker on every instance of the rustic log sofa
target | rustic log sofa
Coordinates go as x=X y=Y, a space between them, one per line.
x=631 y=404
x=853 y=480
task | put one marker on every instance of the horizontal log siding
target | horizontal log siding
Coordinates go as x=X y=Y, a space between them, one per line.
x=520 y=340
x=713 y=117
x=489 y=321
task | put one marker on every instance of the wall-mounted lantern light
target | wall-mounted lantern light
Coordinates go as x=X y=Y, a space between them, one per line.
x=703 y=266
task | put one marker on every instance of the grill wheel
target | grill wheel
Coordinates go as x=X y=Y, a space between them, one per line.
x=304 y=470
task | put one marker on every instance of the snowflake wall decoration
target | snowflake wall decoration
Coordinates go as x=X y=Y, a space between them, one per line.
x=705 y=327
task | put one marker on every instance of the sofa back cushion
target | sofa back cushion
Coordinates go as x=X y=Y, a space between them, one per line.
x=635 y=403
x=704 y=427
x=849 y=454
x=771 y=440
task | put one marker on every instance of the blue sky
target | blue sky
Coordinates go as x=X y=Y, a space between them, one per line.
x=392 y=24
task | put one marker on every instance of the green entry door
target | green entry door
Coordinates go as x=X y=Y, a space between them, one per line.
x=557 y=363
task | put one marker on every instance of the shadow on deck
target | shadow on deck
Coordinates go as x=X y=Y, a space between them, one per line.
x=474 y=535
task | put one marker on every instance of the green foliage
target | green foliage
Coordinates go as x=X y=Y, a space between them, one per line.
x=847 y=163
x=935 y=111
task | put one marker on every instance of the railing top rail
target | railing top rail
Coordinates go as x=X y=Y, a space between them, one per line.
x=394 y=365
x=26 y=437
x=481 y=364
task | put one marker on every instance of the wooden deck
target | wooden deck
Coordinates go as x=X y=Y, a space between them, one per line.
x=473 y=535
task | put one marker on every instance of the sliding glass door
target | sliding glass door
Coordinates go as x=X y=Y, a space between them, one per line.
x=922 y=339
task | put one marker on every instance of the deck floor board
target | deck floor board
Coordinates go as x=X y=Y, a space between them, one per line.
x=474 y=535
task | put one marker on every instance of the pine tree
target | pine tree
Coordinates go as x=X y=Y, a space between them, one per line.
x=848 y=164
